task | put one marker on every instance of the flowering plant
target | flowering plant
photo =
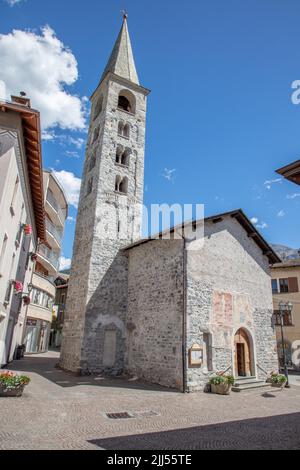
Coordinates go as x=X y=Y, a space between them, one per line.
x=26 y=300
x=27 y=229
x=10 y=381
x=221 y=378
x=18 y=286
x=278 y=378
x=33 y=256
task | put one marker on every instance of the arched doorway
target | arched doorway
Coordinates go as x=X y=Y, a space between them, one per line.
x=243 y=354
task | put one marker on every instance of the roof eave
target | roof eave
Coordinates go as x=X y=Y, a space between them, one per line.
x=239 y=215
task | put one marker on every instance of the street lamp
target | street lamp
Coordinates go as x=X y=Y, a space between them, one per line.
x=284 y=307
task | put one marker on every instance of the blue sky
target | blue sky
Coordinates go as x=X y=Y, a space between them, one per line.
x=220 y=113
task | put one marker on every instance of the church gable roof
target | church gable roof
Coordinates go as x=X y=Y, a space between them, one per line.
x=239 y=216
x=121 y=61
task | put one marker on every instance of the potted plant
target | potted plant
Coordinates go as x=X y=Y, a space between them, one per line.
x=33 y=256
x=26 y=300
x=221 y=384
x=12 y=385
x=27 y=229
x=18 y=286
x=278 y=380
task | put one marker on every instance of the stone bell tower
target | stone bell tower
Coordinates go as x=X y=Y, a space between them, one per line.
x=109 y=217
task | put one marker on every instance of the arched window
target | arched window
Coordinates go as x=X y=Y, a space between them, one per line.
x=98 y=107
x=89 y=188
x=121 y=185
x=120 y=127
x=126 y=101
x=119 y=153
x=92 y=161
x=124 y=185
x=125 y=157
x=117 y=183
x=122 y=156
x=126 y=131
x=96 y=134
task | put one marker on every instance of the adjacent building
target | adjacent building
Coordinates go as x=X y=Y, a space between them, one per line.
x=61 y=283
x=22 y=225
x=291 y=172
x=40 y=310
x=285 y=288
x=170 y=311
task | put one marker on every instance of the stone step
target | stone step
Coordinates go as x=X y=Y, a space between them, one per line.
x=246 y=377
x=252 y=384
x=249 y=380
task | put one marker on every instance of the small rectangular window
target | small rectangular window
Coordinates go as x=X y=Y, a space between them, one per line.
x=274 y=286
x=283 y=286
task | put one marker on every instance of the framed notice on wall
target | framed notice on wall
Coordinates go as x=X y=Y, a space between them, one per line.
x=195 y=355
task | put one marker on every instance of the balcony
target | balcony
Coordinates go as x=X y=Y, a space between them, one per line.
x=54 y=209
x=49 y=259
x=56 y=235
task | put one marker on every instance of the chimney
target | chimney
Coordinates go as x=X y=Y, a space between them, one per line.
x=22 y=100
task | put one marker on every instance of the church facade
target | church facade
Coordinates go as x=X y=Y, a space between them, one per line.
x=162 y=310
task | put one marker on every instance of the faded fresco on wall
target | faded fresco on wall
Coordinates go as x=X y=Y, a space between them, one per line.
x=229 y=312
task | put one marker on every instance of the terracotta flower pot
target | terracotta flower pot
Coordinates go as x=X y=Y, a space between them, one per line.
x=221 y=389
x=11 y=392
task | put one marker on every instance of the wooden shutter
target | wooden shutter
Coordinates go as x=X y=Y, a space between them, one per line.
x=293 y=284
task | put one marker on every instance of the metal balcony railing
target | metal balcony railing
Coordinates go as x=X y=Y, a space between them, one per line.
x=50 y=255
x=53 y=202
x=55 y=232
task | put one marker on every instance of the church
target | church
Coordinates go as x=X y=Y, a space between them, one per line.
x=166 y=310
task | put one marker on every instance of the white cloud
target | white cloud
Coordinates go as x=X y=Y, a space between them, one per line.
x=42 y=66
x=268 y=184
x=71 y=219
x=72 y=154
x=281 y=213
x=64 y=263
x=169 y=174
x=71 y=185
x=12 y=3
x=293 y=196
x=258 y=224
x=262 y=225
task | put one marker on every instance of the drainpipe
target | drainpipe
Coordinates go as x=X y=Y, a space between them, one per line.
x=184 y=263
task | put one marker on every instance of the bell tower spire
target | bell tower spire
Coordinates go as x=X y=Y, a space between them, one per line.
x=121 y=61
x=109 y=217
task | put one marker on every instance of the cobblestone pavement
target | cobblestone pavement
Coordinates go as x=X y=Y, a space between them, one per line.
x=61 y=411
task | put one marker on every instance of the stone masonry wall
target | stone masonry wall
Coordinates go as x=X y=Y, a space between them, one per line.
x=155 y=312
x=228 y=287
x=94 y=330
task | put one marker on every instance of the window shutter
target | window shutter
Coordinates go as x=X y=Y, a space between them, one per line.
x=293 y=284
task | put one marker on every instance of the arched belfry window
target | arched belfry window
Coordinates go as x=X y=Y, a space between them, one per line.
x=124 y=129
x=92 y=161
x=126 y=101
x=98 y=107
x=121 y=185
x=122 y=155
x=96 y=134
